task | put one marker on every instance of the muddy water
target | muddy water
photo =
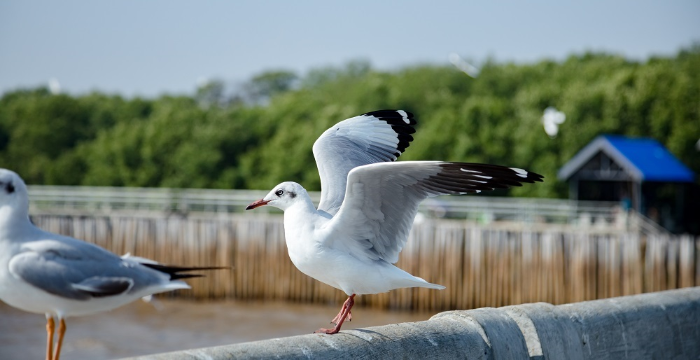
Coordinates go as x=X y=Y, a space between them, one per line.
x=141 y=328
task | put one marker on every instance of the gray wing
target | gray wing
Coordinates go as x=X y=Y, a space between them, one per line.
x=382 y=199
x=377 y=136
x=78 y=270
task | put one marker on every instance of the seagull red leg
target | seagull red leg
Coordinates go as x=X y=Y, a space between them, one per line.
x=347 y=306
x=340 y=314
x=59 y=343
x=50 y=326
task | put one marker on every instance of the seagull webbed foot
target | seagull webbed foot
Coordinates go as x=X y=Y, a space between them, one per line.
x=332 y=331
x=343 y=315
x=340 y=315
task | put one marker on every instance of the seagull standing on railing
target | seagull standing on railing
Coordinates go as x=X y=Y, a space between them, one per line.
x=368 y=204
x=59 y=276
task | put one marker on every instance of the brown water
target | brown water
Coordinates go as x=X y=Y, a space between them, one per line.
x=141 y=328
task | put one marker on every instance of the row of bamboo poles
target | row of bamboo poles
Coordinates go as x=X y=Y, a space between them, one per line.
x=480 y=266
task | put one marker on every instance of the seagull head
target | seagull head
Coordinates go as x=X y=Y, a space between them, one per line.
x=13 y=192
x=281 y=196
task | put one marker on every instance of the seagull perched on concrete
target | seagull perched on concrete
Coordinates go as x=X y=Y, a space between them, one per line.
x=368 y=204
x=59 y=276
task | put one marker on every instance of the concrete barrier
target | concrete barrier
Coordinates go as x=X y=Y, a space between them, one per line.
x=662 y=325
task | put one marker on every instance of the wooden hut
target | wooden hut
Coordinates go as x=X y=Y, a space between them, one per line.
x=639 y=172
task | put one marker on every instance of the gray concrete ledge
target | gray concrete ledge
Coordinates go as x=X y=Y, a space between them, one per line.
x=662 y=325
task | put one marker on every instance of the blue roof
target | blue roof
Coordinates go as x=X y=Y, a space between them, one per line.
x=652 y=159
x=645 y=159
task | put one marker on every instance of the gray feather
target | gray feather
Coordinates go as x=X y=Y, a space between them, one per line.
x=78 y=270
x=378 y=136
x=382 y=199
x=100 y=286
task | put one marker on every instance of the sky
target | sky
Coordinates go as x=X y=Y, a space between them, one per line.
x=147 y=48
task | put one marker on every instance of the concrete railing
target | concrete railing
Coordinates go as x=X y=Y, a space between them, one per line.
x=662 y=325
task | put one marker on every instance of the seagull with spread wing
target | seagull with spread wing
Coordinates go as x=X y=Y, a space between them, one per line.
x=60 y=277
x=368 y=203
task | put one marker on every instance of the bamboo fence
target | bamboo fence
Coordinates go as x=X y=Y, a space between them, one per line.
x=480 y=266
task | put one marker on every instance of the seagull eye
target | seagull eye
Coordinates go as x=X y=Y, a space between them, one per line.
x=279 y=192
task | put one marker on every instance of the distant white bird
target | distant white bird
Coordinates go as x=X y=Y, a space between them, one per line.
x=202 y=81
x=54 y=86
x=368 y=204
x=464 y=66
x=59 y=276
x=551 y=119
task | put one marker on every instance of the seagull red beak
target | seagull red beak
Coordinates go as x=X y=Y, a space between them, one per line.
x=256 y=204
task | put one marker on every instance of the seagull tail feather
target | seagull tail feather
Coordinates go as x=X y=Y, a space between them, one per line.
x=424 y=284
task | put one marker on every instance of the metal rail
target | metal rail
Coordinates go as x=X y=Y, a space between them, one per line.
x=480 y=208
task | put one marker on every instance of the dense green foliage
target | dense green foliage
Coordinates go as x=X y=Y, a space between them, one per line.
x=258 y=140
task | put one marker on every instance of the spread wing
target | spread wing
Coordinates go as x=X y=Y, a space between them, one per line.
x=382 y=199
x=377 y=136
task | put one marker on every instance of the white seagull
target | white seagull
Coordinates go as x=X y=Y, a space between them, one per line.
x=551 y=119
x=368 y=204
x=46 y=273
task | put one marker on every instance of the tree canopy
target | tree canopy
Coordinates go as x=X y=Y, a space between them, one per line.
x=263 y=133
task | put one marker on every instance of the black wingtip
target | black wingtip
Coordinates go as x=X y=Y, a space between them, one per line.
x=394 y=117
x=401 y=122
x=175 y=271
x=185 y=276
x=475 y=178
